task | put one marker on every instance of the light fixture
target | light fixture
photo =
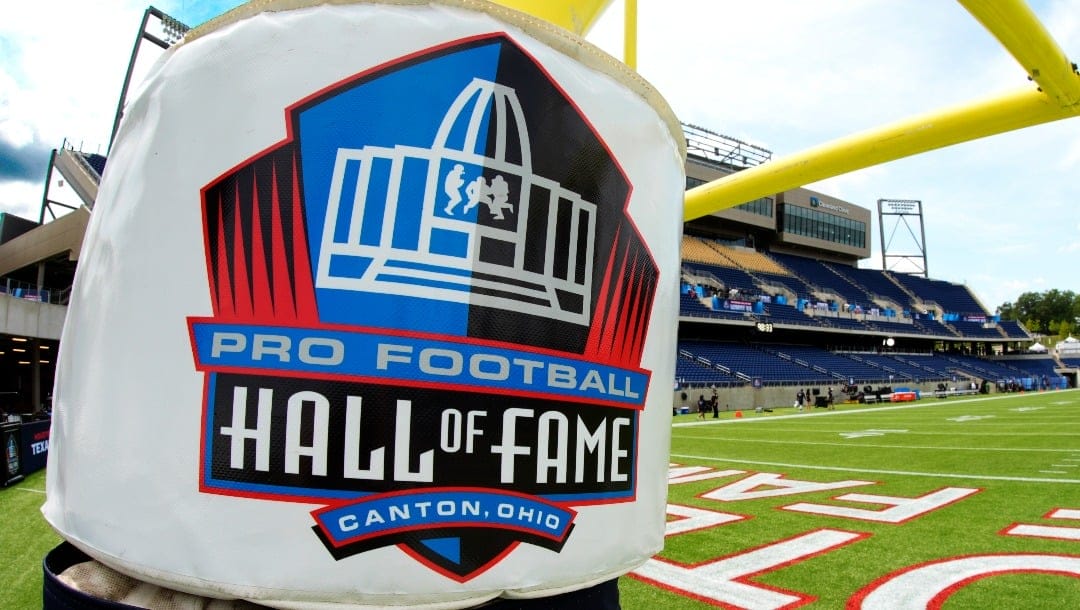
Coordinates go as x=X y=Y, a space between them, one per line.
x=43 y=361
x=20 y=339
x=24 y=362
x=43 y=347
x=18 y=349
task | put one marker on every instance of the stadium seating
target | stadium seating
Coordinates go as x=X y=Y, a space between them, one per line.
x=857 y=299
x=730 y=276
x=696 y=250
x=976 y=330
x=1036 y=367
x=934 y=367
x=749 y=260
x=821 y=275
x=950 y=297
x=753 y=362
x=875 y=282
x=693 y=373
x=842 y=368
x=726 y=363
x=900 y=368
x=1014 y=330
x=796 y=285
x=786 y=314
x=933 y=327
x=844 y=322
x=984 y=369
x=896 y=328
x=95 y=161
x=691 y=306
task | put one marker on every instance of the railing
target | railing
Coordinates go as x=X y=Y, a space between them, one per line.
x=701 y=276
x=31 y=292
x=723 y=149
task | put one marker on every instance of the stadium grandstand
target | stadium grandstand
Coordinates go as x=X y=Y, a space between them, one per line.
x=773 y=299
x=772 y=296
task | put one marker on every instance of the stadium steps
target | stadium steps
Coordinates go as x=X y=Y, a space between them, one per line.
x=815 y=288
x=81 y=176
x=896 y=297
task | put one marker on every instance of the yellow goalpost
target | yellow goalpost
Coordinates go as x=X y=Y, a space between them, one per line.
x=1054 y=94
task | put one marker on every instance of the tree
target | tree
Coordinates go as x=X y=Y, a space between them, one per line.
x=1044 y=312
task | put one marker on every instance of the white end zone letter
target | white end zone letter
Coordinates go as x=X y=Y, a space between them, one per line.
x=899 y=511
x=692 y=519
x=721 y=582
x=770 y=485
x=1056 y=532
x=930 y=585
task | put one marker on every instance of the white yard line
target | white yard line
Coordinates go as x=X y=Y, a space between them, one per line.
x=857 y=445
x=910 y=432
x=31 y=490
x=939 y=475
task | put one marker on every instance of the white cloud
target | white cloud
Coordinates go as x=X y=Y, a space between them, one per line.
x=21 y=198
x=17 y=133
x=799 y=74
x=71 y=57
x=788 y=73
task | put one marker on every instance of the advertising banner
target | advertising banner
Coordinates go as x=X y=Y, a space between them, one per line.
x=9 y=436
x=35 y=446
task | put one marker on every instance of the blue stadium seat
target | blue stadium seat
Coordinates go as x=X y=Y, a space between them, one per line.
x=954 y=298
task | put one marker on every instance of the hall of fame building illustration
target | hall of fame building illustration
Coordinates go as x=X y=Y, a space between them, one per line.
x=458 y=223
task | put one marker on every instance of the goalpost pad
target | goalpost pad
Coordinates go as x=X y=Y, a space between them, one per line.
x=375 y=309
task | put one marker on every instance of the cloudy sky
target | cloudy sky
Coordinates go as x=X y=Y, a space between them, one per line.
x=1002 y=214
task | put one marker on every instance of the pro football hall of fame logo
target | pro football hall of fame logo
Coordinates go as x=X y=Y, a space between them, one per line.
x=429 y=308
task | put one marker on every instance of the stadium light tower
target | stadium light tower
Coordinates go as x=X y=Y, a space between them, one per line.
x=899 y=211
x=158 y=28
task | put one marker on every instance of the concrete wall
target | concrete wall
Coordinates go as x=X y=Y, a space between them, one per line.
x=747 y=398
x=63 y=235
x=30 y=318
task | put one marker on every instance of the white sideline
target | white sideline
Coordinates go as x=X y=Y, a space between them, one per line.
x=850 y=445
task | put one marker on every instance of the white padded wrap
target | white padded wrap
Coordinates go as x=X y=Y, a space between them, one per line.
x=126 y=474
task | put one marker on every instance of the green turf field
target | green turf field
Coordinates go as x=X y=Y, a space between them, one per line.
x=24 y=540
x=964 y=503
x=935 y=483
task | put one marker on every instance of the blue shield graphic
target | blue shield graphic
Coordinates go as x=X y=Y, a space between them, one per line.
x=429 y=307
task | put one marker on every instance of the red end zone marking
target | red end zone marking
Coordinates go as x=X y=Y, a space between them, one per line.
x=929 y=585
x=901 y=510
x=1053 y=532
x=692 y=519
x=725 y=582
